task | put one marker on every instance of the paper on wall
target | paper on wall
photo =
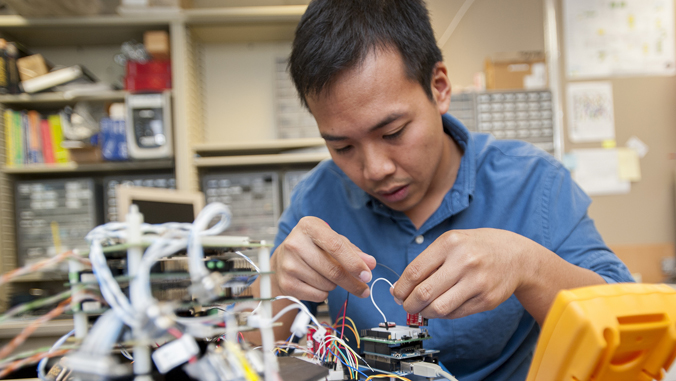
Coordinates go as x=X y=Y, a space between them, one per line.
x=597 y=172
x=637 y=145
x=610 y=38
x=629 y=167
x=590 y=112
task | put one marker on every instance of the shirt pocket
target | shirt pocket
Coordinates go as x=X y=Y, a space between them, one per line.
x=483 y=336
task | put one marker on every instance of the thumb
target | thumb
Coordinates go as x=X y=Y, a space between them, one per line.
x=368 y=259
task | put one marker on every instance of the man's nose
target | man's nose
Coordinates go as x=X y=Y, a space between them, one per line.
x=377 y=164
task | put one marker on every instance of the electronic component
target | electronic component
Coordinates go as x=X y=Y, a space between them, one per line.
x=45 y=208
x=519 y=114
x=253 y=199
x=110 y=210
x=415 y=320
x=385 y=348
x=149 y=131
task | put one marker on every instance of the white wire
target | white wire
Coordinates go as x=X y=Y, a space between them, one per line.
x=57 y=344
x=301 y=307
x=446 y=375
x=249 y=260
x=195 y=252
x=374 y=302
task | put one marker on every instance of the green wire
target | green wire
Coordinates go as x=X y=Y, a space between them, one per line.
x=35 y=304
x=27 y=354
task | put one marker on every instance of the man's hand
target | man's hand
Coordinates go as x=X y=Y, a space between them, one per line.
x=469 y=271
x=314 y=259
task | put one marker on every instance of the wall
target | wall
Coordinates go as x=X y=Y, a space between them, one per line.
x=644 y=107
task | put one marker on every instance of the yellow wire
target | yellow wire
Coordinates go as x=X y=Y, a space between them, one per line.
x=249 y=373
x=387 y=376
x=354 y=330
x=56 y=237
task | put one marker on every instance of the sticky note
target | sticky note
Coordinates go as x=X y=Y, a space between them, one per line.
x=628 y=165
x=608 y=143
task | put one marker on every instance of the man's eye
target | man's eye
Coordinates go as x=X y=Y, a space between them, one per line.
x=343 y=149
x=395 y=134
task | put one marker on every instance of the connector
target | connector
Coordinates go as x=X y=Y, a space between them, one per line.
x=320 y=334
x=209 y=287
x=90 y=367
x=300 y=323
x=426 y=369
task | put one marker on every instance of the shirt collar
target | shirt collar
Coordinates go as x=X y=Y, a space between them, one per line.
x=460 y=195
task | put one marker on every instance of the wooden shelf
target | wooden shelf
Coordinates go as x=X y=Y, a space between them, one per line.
x=261 y=146
x=95 y=167
x=59 y=97
x=247 y=160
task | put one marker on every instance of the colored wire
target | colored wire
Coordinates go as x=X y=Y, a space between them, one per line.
x=45 y=263
x=392 y=375
x=342 y=330
x=21 y=337
x=43 y=362
x=21 y=308
x=357 y=370
x=394 y=272
x=31 y=360
x=374 y=302
x=355 y=335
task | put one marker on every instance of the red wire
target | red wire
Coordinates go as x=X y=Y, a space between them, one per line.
x=344 y=312
x=175 y=332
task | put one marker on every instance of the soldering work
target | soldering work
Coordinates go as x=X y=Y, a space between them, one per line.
x=175 y=301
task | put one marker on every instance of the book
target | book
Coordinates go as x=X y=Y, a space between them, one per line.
x=34 y=139
x=47 y=141
x=18 y=138
x=61 y=155
x=9 y=138
x=57 y=77
x=4 y=86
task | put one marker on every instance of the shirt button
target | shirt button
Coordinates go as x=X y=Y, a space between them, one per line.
x=419 y=239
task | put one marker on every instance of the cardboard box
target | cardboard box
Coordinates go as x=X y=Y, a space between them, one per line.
x=31 y=67
x=516 y=70
x=156 y=43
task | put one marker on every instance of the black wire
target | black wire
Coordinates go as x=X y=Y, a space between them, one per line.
x=395 y=273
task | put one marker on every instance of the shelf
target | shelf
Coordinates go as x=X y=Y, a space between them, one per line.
x=95 y=167
x=69 y=31
x=244 y=24
x=59 y=98
x=261 y=146
x=259 y=14
x=246 y=160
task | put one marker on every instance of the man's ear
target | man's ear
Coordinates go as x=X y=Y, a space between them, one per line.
x=441 y=87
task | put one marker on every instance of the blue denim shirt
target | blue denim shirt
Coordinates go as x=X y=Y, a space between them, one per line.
x=501 y=184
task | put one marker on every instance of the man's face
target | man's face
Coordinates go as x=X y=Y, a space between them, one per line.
x=383 y=131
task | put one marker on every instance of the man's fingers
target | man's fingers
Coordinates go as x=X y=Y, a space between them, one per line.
x=303 y=291
x=453 y=303
x=368 y=259
x=334 y=272
x=417 y=271
x=306 y=274
x=347 y=269
x=430 y=289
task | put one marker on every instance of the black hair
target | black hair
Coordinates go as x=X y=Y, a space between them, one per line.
x=336 y=35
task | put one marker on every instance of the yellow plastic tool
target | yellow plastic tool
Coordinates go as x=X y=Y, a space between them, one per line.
x=612 y=332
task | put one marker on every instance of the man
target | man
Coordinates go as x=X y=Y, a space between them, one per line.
x=484 y=233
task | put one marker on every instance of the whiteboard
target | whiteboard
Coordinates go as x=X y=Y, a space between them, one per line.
x=605 y=38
